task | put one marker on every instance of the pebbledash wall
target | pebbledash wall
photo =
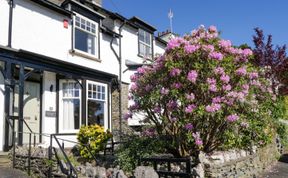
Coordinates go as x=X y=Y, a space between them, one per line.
x=40 y=30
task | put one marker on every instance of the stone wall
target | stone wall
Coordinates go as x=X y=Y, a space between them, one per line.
x=115 y=110
x=239 y=163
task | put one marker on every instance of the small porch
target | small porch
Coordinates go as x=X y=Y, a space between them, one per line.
x=44 y=95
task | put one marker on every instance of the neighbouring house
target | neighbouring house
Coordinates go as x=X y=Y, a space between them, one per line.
x=65 y=64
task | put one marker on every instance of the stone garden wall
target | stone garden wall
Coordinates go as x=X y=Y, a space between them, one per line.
x=239 y=163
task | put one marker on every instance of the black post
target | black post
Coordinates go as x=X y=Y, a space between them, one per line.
x=34 y=142
x=29 y=155
x=21 y=105
x=50 y=157
x=8 y=74
x=13 y=142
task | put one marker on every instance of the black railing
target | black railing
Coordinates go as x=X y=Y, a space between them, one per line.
x=167 y=163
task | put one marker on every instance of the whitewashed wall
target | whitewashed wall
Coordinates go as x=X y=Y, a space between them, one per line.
x=48 y=104
x=40 y=30
x=4 y=19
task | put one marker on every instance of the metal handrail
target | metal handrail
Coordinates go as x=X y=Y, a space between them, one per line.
x=72 y=169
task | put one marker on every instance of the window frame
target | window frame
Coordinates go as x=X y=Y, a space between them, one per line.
x=60 y=125
x=106 y=109
x=96 y=36
x=149 y=56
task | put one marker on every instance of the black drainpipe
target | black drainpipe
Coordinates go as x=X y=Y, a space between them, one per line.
x=119 y=58
x=11 y=5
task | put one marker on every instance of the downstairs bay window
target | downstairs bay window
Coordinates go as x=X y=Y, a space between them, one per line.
x=69 y=105
x=97 y=109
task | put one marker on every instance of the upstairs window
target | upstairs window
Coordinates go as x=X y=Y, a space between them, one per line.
x=85 y=35
x=145 y=44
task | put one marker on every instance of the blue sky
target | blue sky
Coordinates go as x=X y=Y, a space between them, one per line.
x=236 y=19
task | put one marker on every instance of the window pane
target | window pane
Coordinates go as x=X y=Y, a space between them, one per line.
x=93 y=28
x=84 y=41
x=89 y=86
x=103 y=96
x=141 y=35
x=71 y=114
x=83 y=24
x=103 y=89
x=142 y=49
x=95 y=112
x=77 y=21
x=148 y=38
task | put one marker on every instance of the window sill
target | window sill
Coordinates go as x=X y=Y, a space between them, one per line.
x=81 y=54
x=145 y=58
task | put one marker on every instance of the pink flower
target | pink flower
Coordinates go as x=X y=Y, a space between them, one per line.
x=177 y=85
x=216 y=55
x=190 y=48
x=245 y=87
x=212 y=29
x=134 y=77
x=164 y=91
x=208 y=48
x=241 y=71
x=225 y=43
x=219 y=71
x=134 y=106
x=216 y=100
x=213 y=88
x=197 y=139
x=192 y=76
x=253 y=75
x=188 y=126
x=190 y=97
x=172 y=105
x=175 y=72
x=225 y=78
x=232 y=118
x=127 y=115
x=226 y=87
x=157 y=109
x=133 y=87
x=213 y=107
x=211 y=81
x=141 y=70
x=247 y=52
x=148 y=87
x=150 y=132
x=174 y=43
x=190 y=108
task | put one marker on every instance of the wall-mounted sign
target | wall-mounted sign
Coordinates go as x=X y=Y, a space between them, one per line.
x=50 y=113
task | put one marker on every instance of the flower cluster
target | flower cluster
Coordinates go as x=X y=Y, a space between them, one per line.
x=201 y=82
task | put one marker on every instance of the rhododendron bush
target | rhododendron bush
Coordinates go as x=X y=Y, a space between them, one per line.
x=203 y=94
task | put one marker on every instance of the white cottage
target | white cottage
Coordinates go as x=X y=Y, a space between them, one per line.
x=62 y=63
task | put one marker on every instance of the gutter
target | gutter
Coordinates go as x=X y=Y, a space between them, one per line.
x=119 y=58
x=11 y=5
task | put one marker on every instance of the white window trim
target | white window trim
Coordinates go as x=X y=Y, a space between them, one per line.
x=96 y=36
x=105 y=102
x=60 y=121
x=145 y=44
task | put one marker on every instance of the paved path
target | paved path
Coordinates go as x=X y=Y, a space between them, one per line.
x=11 y=173
x=279 y=170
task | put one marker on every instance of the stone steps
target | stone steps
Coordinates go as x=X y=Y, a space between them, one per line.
x=4 y=159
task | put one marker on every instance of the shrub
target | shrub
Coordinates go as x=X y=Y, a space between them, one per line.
x=130 y=152
x=204 y=94
x=94 y=137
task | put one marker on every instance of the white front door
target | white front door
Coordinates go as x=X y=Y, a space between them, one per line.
x=31 y=110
